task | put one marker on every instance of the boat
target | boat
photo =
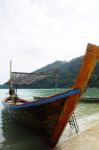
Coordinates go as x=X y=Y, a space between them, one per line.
x=82 y=99
x=39 y=97
x=50 y=115
x=89 y=99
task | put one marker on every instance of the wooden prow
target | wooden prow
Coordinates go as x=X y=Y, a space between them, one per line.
x=89 y=63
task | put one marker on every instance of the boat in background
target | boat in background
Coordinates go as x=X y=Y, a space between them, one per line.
x=89 y=99
x=82 y=99
x=39 y=97
x=50 y=115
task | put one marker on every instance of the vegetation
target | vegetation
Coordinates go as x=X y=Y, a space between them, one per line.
x=62 y=74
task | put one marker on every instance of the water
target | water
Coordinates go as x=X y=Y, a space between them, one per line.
x=14 y=136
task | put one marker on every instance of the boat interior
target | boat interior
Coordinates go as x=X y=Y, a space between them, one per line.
x=16 y=101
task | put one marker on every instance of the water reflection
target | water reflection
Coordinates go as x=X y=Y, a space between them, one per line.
x=18 y=137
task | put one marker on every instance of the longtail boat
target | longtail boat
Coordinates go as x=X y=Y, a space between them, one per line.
x=89 y=99
x=51 y=114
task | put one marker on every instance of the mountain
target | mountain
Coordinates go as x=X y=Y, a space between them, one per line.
x=62 y=74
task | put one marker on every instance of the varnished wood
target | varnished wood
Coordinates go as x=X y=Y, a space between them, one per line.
x=89 y=63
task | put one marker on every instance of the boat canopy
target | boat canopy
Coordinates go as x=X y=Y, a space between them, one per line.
x=20 y=78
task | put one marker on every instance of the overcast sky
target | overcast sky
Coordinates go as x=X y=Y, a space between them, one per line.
x=34 y=33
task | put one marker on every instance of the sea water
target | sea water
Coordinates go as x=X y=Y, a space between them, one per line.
x=15 y=136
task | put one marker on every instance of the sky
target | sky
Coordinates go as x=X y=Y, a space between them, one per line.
x=34 y=33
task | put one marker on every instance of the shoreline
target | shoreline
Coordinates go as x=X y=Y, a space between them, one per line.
x=86 y=140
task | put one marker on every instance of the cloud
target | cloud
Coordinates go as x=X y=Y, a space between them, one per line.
x=42 y=31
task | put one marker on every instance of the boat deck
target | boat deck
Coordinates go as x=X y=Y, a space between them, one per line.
x=18 y=102
x=13 y=103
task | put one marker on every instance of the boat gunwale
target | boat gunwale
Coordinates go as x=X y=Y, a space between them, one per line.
x=42 y=101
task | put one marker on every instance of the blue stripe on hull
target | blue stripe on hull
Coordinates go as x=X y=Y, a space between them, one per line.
x=43 y=101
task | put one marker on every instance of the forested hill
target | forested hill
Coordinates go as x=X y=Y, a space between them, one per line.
x=64 y=73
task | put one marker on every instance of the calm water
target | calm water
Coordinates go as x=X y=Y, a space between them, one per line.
x=14 y=136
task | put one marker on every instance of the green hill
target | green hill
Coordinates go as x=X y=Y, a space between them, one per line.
x=62 y=74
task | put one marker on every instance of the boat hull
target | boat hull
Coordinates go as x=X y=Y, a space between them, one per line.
x=41 y=115
x=43 y=118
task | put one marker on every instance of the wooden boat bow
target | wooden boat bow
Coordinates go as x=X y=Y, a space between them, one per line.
x=89 y=63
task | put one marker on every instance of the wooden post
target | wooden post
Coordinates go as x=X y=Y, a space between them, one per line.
x=11 y=75
x=89 y=63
